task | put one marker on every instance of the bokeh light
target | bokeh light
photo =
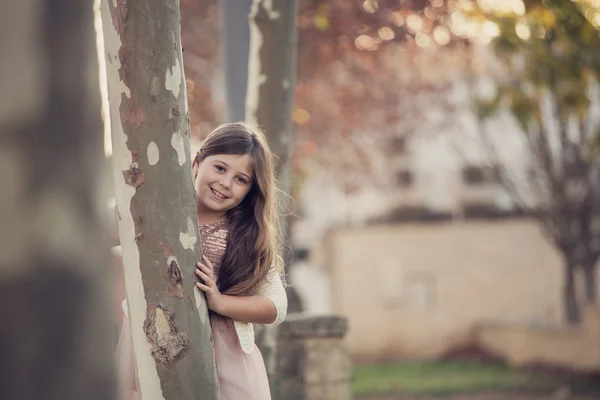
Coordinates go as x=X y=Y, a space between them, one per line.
x=300 y=116
x=441 y=35
x=414 y=23
x=522 y=31
x=370 y=6
x=422 y=40
x=386 y=33
x=503 y=6
x=490 y=28
x=366 y=42
x=430 y=13
x=397 y=19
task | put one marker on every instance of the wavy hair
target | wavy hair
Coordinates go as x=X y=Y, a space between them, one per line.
x=253 y=226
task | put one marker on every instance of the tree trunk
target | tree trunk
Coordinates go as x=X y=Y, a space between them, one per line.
x=235 y=32
x=271 y=77
x=572 y=312
x=57 y=333
x=157 y=217
x=269 y=102
x=589 y=271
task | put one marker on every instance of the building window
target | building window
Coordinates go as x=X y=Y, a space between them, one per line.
x=404 y=178
x=475 y=175
x=397 y=145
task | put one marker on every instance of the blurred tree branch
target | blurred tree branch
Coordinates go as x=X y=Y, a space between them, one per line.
x=553 y=68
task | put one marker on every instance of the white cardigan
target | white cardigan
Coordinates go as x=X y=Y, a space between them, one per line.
x=273 y=289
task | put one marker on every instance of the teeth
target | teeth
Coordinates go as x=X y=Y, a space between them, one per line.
x=218 y=194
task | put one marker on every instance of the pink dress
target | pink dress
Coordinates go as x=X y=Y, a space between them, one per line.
x=241 y=376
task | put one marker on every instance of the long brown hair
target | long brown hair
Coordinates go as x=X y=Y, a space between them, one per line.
x=252 y=239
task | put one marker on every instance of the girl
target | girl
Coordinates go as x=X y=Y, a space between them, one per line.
x=240 y=273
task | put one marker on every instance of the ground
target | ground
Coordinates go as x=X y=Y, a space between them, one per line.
x=467 y=380
x=505 y=396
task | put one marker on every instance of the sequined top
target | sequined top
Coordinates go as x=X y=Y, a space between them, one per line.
x=214 y=242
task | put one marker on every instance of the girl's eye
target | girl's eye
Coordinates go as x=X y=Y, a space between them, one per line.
x=241 y=180
x=219 y=168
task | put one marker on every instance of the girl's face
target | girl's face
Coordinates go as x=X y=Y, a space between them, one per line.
x=222 y=182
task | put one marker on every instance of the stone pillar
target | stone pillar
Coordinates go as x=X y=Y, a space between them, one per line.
x=312 y=361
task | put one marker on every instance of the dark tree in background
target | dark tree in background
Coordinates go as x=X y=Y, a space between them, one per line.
x=551 y=89
x=235 y=31
x=57 y=336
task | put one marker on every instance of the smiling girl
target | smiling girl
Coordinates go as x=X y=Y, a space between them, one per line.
x=241 y=269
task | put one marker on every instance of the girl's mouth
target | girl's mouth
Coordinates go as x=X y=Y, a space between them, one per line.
x=217 y=194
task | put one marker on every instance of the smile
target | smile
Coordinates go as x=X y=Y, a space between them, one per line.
x=218 y=194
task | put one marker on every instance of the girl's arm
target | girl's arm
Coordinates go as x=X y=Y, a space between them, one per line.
x=256 y=309
x=269 y=306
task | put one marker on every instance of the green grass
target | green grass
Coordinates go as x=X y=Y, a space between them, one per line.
x=443 y=378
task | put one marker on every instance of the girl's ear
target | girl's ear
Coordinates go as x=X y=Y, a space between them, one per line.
x=196 y=165
x=195 y=168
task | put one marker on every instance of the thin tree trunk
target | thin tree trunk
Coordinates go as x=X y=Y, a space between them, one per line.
x=571 y=308
x=589 y=271
x=56 y=336
x=235 y=33
x=272 y=73
x=157 y=217
x=269 y=102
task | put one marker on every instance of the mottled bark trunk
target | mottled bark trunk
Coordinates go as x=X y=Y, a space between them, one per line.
x=269 y=102
x=589 y=271
x=272 y=72
x=571 y=308
x=56 y=336
x=157 y=216
x=235 y=33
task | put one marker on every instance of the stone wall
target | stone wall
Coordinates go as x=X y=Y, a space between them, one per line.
x=419 y=290
x=576 y=348
x=312 y=361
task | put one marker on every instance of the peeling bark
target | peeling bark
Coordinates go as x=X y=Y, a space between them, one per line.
x=174 y=278
x=56 y=336
x=133 y=175
x=155 y=199
x=169 y=344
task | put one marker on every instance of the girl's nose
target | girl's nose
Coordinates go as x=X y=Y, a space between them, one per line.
x=226 y=182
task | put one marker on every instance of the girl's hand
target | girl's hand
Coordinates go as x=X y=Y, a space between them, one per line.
x=206 y=272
